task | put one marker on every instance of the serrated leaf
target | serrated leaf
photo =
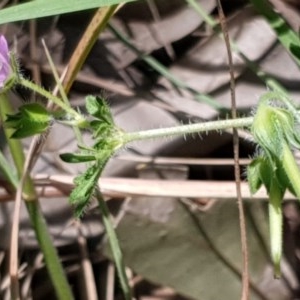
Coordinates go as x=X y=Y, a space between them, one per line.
x=98 y=108
x=100 y=127
x=84 y=189
x=76 y=158
x=91 y=105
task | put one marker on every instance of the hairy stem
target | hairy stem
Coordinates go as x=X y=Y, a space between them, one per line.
x=67 y=108
x=186 y=129
x=242 y=219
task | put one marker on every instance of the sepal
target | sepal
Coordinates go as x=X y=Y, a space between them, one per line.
x=31 y=119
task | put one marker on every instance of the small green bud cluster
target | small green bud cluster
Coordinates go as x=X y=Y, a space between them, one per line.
x=274 y=128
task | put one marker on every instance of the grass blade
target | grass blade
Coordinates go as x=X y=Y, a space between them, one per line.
x=44 y=8
x=285 y=34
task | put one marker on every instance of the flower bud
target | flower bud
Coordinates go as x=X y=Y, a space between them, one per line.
x=273 y=126
x=8 y=73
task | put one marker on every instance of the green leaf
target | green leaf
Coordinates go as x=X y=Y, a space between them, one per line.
x=107 y=135
x=84 y=189
x=98 y=108
x=102 y=131
x=76 y=158
x=43 y=8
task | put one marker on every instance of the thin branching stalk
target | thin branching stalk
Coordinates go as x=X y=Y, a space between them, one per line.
x=67 y=108
x=242 y=219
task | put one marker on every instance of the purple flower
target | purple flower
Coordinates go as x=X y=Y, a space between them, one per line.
x=4 y=61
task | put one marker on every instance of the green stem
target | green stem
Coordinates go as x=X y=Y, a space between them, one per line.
x=15 y=147
x=67 y=108
x=187 y=129
x=8 y=171
x=64 y=96
x=275 y=224
x=52 y=261
x=114 y=245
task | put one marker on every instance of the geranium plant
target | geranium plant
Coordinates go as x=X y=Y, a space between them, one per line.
x=273 y=126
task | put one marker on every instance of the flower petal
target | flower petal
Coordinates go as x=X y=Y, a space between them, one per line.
x=4 y=48
x=4 y=61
